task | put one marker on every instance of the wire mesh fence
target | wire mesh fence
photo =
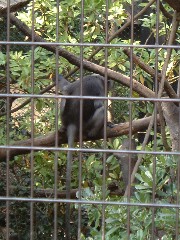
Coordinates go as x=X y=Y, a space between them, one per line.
x=89 y=116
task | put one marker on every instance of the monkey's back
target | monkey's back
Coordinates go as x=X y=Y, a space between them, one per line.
x=92 y=86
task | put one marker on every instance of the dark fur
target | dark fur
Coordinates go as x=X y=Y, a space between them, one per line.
x=93 y=110
x=93 y=118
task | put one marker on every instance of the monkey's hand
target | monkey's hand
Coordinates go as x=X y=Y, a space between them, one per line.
x=110 y=124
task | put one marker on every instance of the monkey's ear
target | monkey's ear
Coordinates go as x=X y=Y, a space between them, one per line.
x=61 y=78
x=63 y=84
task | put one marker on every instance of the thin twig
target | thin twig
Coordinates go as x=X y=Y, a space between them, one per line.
x=116 y=34
x=127 y=24
x=170 y=91
x=161 y=87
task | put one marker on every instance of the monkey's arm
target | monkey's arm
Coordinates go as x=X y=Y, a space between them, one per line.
x=63 y=87
x=98 y=103
x=97 y=120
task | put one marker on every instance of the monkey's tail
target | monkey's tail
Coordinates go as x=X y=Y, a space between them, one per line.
x=71 y=133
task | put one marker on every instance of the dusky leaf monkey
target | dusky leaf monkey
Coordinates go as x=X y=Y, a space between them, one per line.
x=93 y=117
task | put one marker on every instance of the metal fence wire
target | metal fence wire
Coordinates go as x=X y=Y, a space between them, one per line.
x=89 y=119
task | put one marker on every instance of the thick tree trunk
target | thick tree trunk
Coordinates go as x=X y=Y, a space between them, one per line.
x=171 y=114
x=127 y=161
x=15 y=5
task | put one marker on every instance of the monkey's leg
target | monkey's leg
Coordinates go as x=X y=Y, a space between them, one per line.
x=71 y=133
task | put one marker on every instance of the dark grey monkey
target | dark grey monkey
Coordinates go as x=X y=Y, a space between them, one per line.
x=93 y=110
x=93 y=117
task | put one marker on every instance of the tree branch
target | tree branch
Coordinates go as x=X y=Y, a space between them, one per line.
x=118 y=32
x=137 y=87
x=27 y=101
x=170 y=91
x=15 y=5
x=175 y=4
x=49 y=140
x=19 y=24
x=164 y=12
x=161 y=87
x=41 y=193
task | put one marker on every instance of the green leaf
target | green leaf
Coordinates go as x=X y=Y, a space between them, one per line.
x=2 y=58
x=112 y=230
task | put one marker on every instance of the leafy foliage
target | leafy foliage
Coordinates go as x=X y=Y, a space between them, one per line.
x=31 y=70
